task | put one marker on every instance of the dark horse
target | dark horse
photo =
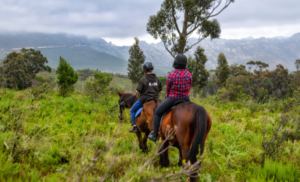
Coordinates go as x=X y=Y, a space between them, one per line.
x=143 y=121
x=126 y=100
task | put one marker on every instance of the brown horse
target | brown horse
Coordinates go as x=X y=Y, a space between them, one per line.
x=126 y=100
x=192 y=123
x=143 y=121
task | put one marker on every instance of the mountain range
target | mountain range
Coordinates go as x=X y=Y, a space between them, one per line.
x=82 y=52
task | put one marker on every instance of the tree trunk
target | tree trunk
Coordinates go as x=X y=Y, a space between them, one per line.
x=182 y=36
x=132 y=87
x=83 y=85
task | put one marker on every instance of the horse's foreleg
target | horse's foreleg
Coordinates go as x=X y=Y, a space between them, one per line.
x=164 y=156
x=139 y=135
x=146 y=150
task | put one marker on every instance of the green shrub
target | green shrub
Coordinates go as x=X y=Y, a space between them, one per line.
x=67 y=77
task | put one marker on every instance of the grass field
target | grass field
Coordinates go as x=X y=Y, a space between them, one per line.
x=55 y=139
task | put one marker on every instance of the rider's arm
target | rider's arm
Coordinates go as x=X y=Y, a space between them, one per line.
x=140 y=87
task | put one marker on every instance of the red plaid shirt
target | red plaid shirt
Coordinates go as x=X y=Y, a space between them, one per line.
x=179 y=83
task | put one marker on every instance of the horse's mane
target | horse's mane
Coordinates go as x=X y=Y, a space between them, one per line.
x=127 y=94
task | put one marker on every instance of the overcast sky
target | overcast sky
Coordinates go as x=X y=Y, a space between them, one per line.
x=119 y=21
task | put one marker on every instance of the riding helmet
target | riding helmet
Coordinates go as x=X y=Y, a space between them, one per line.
x=180 y=59
x=148 y=66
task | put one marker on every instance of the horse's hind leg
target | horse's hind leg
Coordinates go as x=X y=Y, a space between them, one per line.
x=139 y=135
x=185 y=152
x=146 y=150
x=164 y=156
x=180 y=154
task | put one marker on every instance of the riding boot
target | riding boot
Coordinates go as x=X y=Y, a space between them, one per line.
x=134 y=129
x=156 y=123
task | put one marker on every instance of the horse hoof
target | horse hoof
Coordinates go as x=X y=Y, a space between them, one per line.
x=146 y=151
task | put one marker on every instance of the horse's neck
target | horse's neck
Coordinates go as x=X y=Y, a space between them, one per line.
x=131 y=100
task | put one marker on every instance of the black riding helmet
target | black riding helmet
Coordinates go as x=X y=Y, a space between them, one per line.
x=148 y=66
x=180 y=61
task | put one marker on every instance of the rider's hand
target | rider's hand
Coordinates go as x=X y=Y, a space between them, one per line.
x=137 y=92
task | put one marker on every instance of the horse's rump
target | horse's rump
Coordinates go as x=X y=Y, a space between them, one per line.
x=191 y=125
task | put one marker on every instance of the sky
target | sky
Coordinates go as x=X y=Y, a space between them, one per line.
x=118 y=21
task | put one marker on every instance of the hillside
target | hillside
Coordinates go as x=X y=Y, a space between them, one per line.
x=82 y=52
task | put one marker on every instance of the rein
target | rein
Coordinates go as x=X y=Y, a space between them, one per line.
x=128 y=99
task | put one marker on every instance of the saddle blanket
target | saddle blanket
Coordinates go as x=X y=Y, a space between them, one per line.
x=138 y=112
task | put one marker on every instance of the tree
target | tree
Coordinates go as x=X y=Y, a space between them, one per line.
x=267 y=84
x=196 y=67
x=67 y=77
x=35 y=61
x=84 y=74
x=279 y=78
x=222 y=70
x=196 y=15
x=296 y=77
x=260 y=66
x=20 y=68
x=96 y=86
x=136 y=61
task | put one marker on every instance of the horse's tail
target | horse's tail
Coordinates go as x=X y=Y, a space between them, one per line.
x=200 y=119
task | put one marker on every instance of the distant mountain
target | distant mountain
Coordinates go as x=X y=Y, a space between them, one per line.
x=82 y=52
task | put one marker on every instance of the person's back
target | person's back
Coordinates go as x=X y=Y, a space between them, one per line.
x=179 y=83
x=149 y=86
x=178 y=87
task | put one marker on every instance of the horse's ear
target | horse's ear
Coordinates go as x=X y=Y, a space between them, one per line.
x=120 y=94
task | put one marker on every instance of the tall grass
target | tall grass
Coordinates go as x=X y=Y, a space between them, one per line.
x=54 y=138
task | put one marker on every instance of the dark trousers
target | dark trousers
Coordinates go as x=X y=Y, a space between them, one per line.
x=162 y=108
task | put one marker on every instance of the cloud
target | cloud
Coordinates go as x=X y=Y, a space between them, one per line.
x=118 y=20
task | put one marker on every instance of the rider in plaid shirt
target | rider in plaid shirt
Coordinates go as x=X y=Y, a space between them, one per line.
x=178 y=88
x=179 y=83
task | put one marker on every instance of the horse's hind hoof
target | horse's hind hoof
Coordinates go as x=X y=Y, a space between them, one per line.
x=146 y=151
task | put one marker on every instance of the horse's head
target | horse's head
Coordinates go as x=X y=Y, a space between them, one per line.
x=121 y=103
x=125 y=100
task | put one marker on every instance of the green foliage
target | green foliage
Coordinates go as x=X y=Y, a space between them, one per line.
x=222 y=71
x=275 y=171
x=163 y=80
x=41 y=90
x=263 y=95
x=67 y=77
x=196 y=67
x=135 y=62
x=97 y=86
x=196 y=17
x=85 y=74
x=20 y=68
x=267 y=84
x=54 y=139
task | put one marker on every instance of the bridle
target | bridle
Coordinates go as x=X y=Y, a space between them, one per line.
x=122 y=102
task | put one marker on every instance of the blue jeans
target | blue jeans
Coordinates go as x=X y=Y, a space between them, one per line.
x=134 y=109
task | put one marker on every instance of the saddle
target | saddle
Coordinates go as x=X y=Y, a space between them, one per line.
x=174 y=105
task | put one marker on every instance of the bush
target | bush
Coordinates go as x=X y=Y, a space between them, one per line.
x=67 y=77
x=98 y=85
x=40 y=90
